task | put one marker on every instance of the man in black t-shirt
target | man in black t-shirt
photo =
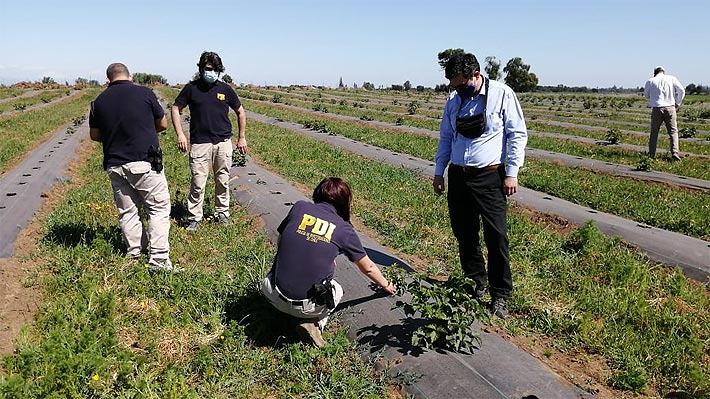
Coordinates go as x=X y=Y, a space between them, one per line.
x=126 y=118
x=209 y=101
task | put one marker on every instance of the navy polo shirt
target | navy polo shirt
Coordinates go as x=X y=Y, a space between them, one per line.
x=312 y=236
x=125 y=114
x=209 y=110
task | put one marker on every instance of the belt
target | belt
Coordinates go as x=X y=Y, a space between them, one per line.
x=471 y=169
x=291 y=301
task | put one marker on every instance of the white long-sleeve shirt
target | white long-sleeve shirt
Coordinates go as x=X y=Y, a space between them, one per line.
x=503 y=141
x=664 y=91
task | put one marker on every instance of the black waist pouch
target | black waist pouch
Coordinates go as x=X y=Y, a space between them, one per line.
x=322 y=294
x=155 y=158
x=471 y=127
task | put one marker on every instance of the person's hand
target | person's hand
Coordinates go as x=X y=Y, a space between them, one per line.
x=242 y=145
x=439 y=185
x=510 y=185
x=391 y=288
x=182 y=142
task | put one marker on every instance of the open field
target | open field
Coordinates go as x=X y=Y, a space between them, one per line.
x=108 y=328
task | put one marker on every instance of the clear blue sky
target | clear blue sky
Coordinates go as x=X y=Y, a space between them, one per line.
x=573 y=42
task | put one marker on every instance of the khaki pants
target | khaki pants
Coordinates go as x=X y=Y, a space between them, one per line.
x=203 y=158
x=666 y=115
x=136 y=185
x=302 y=309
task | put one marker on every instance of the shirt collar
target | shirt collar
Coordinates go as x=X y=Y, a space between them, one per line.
x=120 y=82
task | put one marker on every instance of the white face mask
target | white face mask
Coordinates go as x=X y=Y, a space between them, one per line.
x=210 y=76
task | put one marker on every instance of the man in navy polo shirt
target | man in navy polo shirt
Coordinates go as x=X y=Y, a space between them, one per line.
x=125 y=119
x=210 y=147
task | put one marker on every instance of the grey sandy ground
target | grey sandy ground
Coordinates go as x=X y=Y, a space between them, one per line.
x=21 y=188
x=497 y=370
x=691 y=254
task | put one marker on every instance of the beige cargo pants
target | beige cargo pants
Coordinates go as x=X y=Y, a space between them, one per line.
x=203 y=158
x=136 y=185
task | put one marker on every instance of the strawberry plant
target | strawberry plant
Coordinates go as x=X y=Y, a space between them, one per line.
x=613 y=136
x=446 y=306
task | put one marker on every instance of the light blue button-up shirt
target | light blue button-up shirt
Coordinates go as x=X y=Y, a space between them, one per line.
x=503 y=141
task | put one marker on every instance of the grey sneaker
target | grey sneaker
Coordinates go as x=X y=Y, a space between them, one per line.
x=221 y=218
x=499 y=307
x=310 y=333
x=162 y=265
x=192 y=225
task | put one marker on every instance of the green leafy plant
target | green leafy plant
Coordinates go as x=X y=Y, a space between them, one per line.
x=645 y=164
x=688 y=132
x=613 y=136
x=412 y=108
x=446 y=306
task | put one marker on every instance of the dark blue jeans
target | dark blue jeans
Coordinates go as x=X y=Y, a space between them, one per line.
x=476 y=196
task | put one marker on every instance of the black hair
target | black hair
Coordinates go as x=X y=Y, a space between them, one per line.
x=209 y=57
x=115 y=70
x=461 y=63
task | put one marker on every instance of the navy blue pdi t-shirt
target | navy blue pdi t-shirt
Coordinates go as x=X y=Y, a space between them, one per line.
x=125 y=113
x=312 y=236
x=209 y=106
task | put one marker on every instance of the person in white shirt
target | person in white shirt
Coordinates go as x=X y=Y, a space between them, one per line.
x=665 y=95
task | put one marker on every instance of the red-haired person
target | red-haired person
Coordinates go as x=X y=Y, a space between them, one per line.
x=312 y=235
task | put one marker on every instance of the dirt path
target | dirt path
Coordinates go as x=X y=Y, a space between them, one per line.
x=20 y=275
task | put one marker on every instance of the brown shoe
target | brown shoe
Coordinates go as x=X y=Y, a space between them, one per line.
x=310 y=333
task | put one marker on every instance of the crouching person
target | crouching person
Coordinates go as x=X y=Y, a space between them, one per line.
x=312 y=235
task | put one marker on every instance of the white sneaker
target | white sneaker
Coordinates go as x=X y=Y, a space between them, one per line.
x=162 y=265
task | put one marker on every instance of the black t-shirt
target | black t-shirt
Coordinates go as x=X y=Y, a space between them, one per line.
x=312 y=236
x=209 y=110
x=126 y=113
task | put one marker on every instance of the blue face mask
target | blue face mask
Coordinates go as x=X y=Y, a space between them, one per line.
x=210 y=76
x=466 y=91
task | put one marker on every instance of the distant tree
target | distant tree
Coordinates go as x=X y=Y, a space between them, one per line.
x=148 y=79
x=446 y=54
x=492 y=68
x=94 y=82
x=397 y=87
x=355 y=86
x=441 y=88
x=81 y=81
x=518 y=77
x=407 y=86
x=420 y=88
x=48 y=80
x=368 y=86
x=227 y=79
x=340 y=84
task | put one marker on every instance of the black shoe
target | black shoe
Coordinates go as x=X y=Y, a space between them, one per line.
x=675 y=158
x=477 y=293
x=499 y=307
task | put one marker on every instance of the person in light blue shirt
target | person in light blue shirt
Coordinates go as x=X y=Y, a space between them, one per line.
x=482 y=142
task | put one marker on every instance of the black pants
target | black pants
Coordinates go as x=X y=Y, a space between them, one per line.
x=475 y=196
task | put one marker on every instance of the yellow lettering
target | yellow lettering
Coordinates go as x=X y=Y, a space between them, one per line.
x=320 y=227
x=329 y=233
x=307 y=220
